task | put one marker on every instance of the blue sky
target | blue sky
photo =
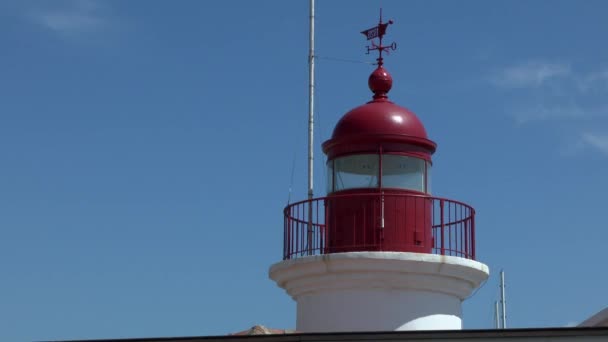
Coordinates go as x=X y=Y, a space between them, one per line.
x=147 y=151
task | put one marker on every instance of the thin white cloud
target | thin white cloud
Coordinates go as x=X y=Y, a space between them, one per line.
x=545 y=91
x=559 y=111
x=525 y=115
x=70 y=22
x=530 y=74
x=594 y=81
x=71 y=17
x=597 y=141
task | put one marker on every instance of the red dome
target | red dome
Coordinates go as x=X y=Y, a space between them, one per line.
x=380 y=117
x=379 y=124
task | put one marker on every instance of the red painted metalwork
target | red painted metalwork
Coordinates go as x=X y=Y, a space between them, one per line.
x=378 y=32
x=452 y=225
x=351 y=217
x=383 y=128
x=366 y=215
x=380 y=83
x=379 y=123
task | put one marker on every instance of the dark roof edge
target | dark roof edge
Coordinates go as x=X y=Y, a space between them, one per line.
x=378 y=335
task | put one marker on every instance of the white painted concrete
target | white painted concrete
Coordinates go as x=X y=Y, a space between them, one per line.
x=378 y=291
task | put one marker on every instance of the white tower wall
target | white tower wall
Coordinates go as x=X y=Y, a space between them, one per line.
x=378 y=291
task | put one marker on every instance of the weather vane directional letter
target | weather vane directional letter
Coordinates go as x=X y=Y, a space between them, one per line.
x=378 y=32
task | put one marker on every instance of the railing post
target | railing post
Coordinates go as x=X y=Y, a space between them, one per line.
x=297 y=231
x=473 y=234
x=288 y=231
x=442 y=227
x=467 y=236
x=325 y=228
x=309 y=229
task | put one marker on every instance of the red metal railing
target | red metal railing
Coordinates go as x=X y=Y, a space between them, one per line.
x=309 y=230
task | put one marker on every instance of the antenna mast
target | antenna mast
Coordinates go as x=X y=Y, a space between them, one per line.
x=311 y=93
x=503 y=300
x=496 y=315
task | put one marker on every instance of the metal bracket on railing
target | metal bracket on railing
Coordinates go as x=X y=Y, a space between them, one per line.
x=382 y=209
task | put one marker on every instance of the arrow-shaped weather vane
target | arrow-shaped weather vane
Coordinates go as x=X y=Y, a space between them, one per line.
x=378 y=32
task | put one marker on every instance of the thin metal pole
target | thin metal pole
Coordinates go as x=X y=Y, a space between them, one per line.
x=503 y=300
x=442 y=234
x=311 y=92
x=496 y=316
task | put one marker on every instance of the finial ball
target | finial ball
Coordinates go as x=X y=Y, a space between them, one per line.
x=380 y=82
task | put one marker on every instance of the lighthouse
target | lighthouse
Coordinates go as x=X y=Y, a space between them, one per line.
x=379 y=252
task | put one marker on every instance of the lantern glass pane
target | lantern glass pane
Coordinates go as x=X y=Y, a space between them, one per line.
x=403 y=172
x=428 y=177
x=330 y=176
x=356 y=171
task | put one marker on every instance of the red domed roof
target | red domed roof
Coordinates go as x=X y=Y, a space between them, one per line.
x=379 y=122
x=380 y=117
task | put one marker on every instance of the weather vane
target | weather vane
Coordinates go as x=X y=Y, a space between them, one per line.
x=379 y=32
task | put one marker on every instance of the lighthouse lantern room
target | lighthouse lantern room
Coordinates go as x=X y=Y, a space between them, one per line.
x=379 y=252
